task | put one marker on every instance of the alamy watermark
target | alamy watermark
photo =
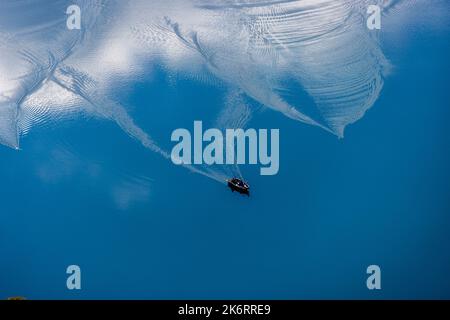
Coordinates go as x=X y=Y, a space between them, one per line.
x=73 y=281
x=73 y=21
x=374 y=20
x=374 y=280
x=234 y=146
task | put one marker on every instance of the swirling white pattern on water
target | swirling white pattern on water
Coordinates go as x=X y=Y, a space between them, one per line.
x=269 y=51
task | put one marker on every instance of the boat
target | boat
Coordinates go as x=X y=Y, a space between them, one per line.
x=236 y=184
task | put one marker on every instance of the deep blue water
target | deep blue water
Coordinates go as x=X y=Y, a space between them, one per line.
x=83 y=192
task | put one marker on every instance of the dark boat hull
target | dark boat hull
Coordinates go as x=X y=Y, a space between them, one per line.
x=241 y=190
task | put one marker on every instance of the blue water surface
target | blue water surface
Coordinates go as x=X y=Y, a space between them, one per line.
x=83 y=192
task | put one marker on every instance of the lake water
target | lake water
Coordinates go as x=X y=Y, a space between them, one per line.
x=84 y=190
